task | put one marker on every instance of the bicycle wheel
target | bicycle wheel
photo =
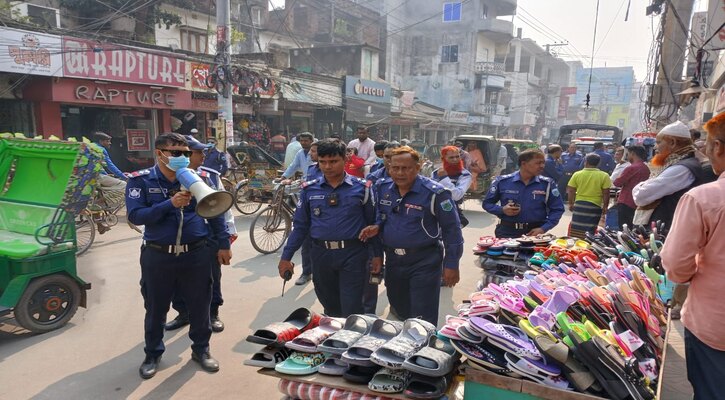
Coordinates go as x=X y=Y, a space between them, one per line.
x=242 y=202
x=85 y=232
x=228 y=185
x=269 y=230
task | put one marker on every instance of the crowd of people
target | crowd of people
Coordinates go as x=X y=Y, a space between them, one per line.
x=366 y=212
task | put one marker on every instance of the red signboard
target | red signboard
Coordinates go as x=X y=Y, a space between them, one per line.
x=199 y=72
x=567 y=91
x=138 y=139
x=563 y=106
x=119 y=94
x=91 y=60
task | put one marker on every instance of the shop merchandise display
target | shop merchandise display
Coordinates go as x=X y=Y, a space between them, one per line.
x=578 y=315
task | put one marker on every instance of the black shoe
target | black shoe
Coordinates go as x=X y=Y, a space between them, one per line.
x=216 y=324
x=206 y=361
x=176 y=323
x=148 y=368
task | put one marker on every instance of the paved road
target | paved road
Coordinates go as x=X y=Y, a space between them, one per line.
x=96 y=356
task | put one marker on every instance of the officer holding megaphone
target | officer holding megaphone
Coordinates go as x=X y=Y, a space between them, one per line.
x=175 y=254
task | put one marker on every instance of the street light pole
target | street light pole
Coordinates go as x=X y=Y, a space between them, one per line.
x=224 y=58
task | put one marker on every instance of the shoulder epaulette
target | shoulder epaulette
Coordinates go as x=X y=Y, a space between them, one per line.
x=433 y=186
x=308 y=183
x=208 y=170
x=140 y=173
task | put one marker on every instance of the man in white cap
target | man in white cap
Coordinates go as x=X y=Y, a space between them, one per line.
x=675 y=171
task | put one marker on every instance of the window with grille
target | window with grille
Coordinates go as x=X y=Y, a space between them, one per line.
x=449 y=53
x=192 y=40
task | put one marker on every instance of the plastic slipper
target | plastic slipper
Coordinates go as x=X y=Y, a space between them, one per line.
x=425 y=387
x=356 y=325
x=309 y=340
x=626 y=370
x=449 y=329
x=301 y=364
x=381 y=332
x=465 y=332
x=484 y=355
x=506 y=337
x=415 y=334
x=358 y=374
x=389 y=381
x=268 y=357
x=545 y=314
x=333 y=366
x=436 y=359
x=537 y=372
x=299 y=321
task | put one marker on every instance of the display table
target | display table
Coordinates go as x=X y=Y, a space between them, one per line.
x=455 y=391
x=487 y=385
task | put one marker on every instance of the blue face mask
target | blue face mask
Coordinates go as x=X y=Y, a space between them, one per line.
x=176 y=163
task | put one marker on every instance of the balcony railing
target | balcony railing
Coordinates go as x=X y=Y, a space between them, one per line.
x=493 y=109
x=487 y=67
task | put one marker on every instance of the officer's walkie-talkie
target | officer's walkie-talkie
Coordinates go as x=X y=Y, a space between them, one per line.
x=287 y=276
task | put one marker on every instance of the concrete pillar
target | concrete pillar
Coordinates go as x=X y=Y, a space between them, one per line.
x=47 y=119
x=517 y=56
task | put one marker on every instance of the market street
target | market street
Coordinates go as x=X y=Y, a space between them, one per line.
x=97 y=355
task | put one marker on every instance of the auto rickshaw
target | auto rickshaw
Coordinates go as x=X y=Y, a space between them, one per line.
x=44 y=184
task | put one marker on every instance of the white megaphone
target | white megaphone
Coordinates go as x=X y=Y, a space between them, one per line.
x=210 y=203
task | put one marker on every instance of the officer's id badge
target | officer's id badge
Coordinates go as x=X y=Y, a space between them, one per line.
x=316 y=211
x=134 y=193
x=447 y=205
x=555 y=192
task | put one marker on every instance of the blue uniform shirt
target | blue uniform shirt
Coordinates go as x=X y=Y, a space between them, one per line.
x=379 y=164
x=572 y=162
x=315 y=216
x=148 y=203
x=313 y=172
x=380 y=173
x=540 y=200
x=553 y=169
x=418 y=220
x=606 y=161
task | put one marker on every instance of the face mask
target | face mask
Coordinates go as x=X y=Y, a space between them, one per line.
x=176 y=163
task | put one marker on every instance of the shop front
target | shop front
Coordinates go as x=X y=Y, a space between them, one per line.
x=367 y=103
x=132 y=114
x=311 y=104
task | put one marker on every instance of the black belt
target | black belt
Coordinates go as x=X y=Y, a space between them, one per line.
x=521 y=225
x=410 y=250
x=173 y=249
x=337 y=244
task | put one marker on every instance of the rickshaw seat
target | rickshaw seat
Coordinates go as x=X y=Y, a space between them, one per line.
x=18 y=225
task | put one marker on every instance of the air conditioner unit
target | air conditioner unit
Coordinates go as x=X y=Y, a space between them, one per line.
x=46 y=17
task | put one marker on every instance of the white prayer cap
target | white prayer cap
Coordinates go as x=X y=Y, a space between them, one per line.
x=676 y=129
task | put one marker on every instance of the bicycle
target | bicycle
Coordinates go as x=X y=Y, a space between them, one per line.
x=271 y=227
x=99 y=215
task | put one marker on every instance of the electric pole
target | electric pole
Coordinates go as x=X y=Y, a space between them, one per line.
x=224 y=58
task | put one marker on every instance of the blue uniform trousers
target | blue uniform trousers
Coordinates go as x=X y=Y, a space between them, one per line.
x=413 y=283
x=189 y=275
x=306 y=257
x=370 y=294
x=216 y=291
x=339 y=278
x=509 y=231
x=705 y=368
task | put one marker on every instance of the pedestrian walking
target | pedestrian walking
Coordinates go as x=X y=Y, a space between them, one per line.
x=454 y=177
x=588 y=197
x=333 y=210
x=571 y=162
x=635 y=173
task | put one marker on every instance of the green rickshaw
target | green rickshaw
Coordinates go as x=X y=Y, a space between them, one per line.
x=44 y=186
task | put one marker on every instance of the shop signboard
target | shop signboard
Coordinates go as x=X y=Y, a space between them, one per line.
x=31 y=53
x=365 y=111
x=363 y=89
x=113 y=62
x=456 y=117
x=199 y=72
x=563 y=106
x=138 y=140
x=119 y=95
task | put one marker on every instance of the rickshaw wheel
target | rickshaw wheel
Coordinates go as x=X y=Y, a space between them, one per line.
x=242 y=202
x=48 y=303
x=269 y=230
x=228 y=185
x=85 y=232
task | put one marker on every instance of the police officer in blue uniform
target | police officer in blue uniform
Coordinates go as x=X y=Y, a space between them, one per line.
x=175 y=255
x=414 y=215
x=382 y=172
x=571 y=161
x=313 y=172
x=526 y=202
x=212 y=178
x=333 y=210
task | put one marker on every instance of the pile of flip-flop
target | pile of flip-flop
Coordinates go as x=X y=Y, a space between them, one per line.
x=387 y=356
x=493 y=247
x=573 y=322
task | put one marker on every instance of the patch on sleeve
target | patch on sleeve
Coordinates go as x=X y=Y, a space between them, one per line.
x=447 y=205
x=555 y=192
x=134 y=193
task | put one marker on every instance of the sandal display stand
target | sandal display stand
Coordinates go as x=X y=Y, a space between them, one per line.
x=455 y=390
